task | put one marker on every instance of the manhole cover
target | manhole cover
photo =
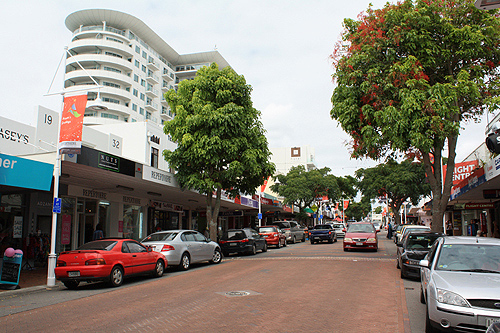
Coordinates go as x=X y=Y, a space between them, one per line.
x=237 y=293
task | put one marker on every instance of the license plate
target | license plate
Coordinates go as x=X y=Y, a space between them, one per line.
x=265 y=236
x=359 y=244
x=490 y=321
x=232 y=244
x=73 y=274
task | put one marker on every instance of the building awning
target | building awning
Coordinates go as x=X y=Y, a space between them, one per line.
x=21 y=172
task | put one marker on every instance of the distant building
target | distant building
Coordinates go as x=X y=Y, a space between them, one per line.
x=286 y=158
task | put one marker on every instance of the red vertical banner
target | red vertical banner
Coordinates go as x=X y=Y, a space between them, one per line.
x=263 y=187
x=70 y=138
x=66 y=229
x=346 y=204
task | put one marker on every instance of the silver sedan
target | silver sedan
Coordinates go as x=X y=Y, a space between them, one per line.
x=460 y=279
x=184 y=247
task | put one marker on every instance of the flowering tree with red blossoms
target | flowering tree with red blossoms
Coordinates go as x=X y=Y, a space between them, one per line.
x=408 y=75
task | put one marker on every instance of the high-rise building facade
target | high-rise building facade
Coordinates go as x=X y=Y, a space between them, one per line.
x=134 y=66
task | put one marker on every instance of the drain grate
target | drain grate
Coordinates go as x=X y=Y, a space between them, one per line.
x=237 y=293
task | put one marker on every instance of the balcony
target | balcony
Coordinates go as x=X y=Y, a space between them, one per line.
x=153 y=65
x=168 y=75
x=151 y=92
x=153 y=79
x=151 y=106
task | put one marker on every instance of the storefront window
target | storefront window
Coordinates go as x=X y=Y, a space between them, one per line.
x=104 y=218
x=65 y=224
x=11 y=221
x=133 y=222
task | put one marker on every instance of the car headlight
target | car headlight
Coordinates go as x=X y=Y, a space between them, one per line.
x=372 y=240
x=448 y=297
x=347 y=239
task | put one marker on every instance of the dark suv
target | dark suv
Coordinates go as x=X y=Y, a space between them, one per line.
x=242 y=241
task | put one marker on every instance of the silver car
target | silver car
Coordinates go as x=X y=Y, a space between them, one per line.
x=184 y=247
x=460 y=283
x=339 y=229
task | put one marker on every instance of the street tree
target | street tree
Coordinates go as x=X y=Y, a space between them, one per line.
x=409 y=75
x=301 y=188
x=359 y=210
x=399 y=181
x=221 y=144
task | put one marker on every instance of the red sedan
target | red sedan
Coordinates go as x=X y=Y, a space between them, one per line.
x=273 y=235
x=361 y=235
x=108 y=260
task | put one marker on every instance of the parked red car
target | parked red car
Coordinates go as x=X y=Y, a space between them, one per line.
x=108 y=260
x=361 y=235
x=273 y=235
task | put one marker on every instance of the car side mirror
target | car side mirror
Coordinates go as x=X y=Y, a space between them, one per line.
x=423 y=263
x=149 y=248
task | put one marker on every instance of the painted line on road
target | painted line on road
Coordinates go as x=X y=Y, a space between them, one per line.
x=314 y=258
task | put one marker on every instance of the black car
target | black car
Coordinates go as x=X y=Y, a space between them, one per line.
x=242 y=241
x=322 y=232
x=412 y=249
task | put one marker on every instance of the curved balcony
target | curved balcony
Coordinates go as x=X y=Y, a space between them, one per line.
x=168 y=75
x=153 y=79
x=151 y=92
x=152 y=106
x=78 y=76
x=89 y=60
x=153 y=65
x=89 y=44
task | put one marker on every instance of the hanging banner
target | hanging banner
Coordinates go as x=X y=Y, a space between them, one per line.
x=263 y=187
x=346 y=204
x=70 y=138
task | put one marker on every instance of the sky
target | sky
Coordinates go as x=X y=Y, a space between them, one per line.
x=281 y=47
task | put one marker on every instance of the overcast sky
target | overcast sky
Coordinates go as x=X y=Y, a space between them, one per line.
x=281 y=47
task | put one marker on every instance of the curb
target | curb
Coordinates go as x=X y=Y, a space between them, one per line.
x=28 y=290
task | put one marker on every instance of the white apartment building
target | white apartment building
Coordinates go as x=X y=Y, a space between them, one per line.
x=287 y=157
x=134 y=66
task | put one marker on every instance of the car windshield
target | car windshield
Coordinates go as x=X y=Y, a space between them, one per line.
x=267 y=229
x=418 y=242
x=104 y=245
x=282 y=225
x=160 y=237
x=469 y=258
x=322 y=226
x=340 y=226
x=234 y=235
x=368 y=228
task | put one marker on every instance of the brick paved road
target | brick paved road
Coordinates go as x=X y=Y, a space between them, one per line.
x=300 y=288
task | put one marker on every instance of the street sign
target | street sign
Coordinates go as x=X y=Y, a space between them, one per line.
x=57 y=206
x=321 y=217
x=260 y=216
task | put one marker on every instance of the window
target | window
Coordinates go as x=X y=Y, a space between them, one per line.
x=111 y=84
x=143 y=83
x=137 y=49
x=144 y=55
x=143 y=68
x=136 y=78
x=110 y=116
x=141 y=111
x=111 y=69
x=148 y=114
x=110 y=100
x=136 y=93
x=136 y=247
x=137 y=64
x=142 y=96
x=134 y=107
x=154 y=157
x=113 y=54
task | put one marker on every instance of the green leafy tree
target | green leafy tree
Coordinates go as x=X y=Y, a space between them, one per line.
x=359 y=210
x=301 y=188
x=221 y=141
x=400 y=181
x=408 y=74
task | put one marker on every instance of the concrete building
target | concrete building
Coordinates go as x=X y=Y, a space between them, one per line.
x=287 y=157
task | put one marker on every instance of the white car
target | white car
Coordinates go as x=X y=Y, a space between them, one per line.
x=460 y=284
x=184 y=247
x=340 y=229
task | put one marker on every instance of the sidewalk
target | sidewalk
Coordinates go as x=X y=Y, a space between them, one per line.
x=32 y=278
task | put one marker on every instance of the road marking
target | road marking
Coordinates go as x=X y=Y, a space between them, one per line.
x=313 y=258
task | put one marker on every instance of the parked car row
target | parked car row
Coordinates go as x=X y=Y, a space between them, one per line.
x=459 y=278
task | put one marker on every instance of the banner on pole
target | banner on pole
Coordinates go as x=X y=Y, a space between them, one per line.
x=70 y=138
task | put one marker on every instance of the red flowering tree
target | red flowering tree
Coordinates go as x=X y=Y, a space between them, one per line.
x=409 y=74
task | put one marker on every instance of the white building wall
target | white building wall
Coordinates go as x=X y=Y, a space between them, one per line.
x=287 y=157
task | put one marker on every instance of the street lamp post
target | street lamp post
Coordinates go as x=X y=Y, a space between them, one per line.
x=95 y=106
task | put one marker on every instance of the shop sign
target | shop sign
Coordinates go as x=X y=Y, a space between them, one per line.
x=249 y=202
x=16 y=138
x=486 y=205
x=235 y=213
x=160 y=205
x=21 y=172
x=132 y=200
x=18 y=227
x=264 y=201
x=462 y=171
x=492 y=168
x=97 y=159
x=66 y=229
x=477 y=178
x=491 y=194
x=109 y=162
x=158 y=176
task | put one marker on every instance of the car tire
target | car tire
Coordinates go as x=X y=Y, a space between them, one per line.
x=303 y=239
x=185 y=261
x=330 y=241
x=116 y=277
x=312 y=242
x=335 y=239
x=254 y=250
x=279 y=244
x=294 y=240
x=216 y=257
x=264 y=249
x=403 y=274
x=71 y=284
x=422 y=296
x=159 y=269
x=345 y=249
x=397 y=264
x=284 y=243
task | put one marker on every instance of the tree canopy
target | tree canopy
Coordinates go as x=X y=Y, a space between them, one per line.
x=409 y=75
x=221 y=141
x=301 y=188
x=400 y=181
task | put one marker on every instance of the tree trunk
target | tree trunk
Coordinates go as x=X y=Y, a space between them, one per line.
x=213 y=213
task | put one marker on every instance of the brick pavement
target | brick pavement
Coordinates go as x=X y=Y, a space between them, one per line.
x=326 y=293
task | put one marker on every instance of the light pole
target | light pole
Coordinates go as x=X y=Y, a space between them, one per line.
x=96 y=106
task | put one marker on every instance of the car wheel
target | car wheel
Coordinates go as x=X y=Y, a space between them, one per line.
x=217 y=257
x=335 y=239
x=345 y=249
x=397 y=264
x=71 y=284
x=264 y=249
x=279 y=244
x=330 y=241
x=159 y=269
x=116 y=277
x=284 y=243
x=254 y=250
x=403 y=274
x=185 y=261
x=422 y=296
x=303 y=239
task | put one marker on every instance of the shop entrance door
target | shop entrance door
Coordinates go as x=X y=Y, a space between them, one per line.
x=85 y=228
